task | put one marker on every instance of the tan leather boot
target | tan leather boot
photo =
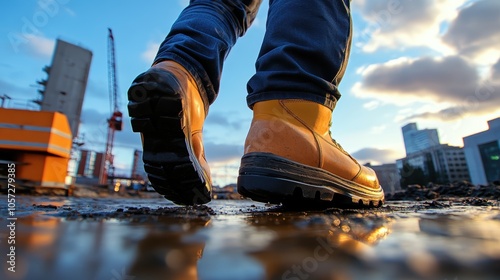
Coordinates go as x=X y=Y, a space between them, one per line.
x=166 y=107
x=290 y=157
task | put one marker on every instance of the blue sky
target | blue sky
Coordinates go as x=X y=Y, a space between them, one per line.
x=434 y=62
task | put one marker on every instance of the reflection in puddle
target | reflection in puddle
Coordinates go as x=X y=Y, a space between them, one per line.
x=317 y=246
x=262 y=245
x=169 y=249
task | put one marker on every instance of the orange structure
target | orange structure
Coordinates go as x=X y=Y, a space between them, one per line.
x=39 y=142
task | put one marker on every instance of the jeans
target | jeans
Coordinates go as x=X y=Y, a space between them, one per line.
x=303 y=56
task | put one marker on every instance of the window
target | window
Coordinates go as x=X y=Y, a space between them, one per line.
x=490 y=156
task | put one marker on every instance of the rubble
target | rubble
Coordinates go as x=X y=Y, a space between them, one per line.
x=457 y=190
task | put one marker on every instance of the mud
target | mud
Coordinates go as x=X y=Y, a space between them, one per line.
x=150 y=238
x=456 y=190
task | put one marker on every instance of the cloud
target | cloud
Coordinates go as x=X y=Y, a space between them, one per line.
x=371 y=105
x=94 y=125
x=20 y=97
x=97 y=90
x=222 y=152
x=403 y=23
x=484 y=100
x=95 y=121
x=495 y=72
x=40 y=46
x=127 y=138
x=473 y=33
x=378 y=129
x=377 y=156
x=70 y=12
x=14 y=91
x=225 y=120
x=447 y=88
x=150 y=53
x=447 y=79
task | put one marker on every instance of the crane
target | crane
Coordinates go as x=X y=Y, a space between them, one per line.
x=115 y=122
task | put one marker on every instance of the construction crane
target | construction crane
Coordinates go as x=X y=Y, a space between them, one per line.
x=115 y=122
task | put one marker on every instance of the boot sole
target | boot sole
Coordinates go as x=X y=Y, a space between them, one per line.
x=156 y=110
x=269 y=178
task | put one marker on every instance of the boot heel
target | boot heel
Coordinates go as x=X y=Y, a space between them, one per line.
x=156 y=110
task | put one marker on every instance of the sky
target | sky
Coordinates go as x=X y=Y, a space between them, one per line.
x=433 y=62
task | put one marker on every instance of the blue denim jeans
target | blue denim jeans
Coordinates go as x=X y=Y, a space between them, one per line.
x=303 y=55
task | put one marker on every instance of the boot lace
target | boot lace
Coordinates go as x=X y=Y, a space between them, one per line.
x=335 y=141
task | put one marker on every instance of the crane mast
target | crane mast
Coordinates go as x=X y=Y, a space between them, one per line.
x=115 y=122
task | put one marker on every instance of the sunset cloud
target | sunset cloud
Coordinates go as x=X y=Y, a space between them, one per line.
x=400 y=24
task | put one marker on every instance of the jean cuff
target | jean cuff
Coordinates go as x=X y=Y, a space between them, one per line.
x=328 y=100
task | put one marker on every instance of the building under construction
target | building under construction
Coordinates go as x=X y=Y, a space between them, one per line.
x=40 y=142
x=64 y=88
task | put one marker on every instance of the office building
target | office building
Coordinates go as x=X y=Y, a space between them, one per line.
x=482 y=151
x=418 y=139
x=439 y=164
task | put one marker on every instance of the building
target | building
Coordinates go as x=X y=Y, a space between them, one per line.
x=482 y=151
x=64 y=89
x=439 y=164
x=388 y=176
x=138 y=171
x=418 y=139
x=90 y=164
x=427 y=160
x=39 y=144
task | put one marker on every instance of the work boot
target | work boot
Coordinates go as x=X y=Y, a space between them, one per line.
x=166 y=108
x=291 y=158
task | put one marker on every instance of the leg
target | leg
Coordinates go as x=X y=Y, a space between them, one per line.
x=202 y=37
x=290 y=156
x=169 y=102
x=307 y=59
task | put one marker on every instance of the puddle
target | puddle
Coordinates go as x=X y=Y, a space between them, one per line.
x=151 y=239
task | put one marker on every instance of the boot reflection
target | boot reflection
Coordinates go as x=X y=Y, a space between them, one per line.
x=170 y=250
x=355 y=233
x=322 y=248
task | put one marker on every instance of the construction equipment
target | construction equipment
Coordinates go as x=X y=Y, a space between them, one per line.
x=115 y=122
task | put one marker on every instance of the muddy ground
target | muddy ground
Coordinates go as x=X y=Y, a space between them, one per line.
x=420 y=235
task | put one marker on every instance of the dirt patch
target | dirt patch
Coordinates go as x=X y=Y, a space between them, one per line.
x=127 y=213
x=469 y=193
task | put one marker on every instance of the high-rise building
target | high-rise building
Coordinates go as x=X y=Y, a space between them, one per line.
x=419 y=139
x=482 y=151
x=438 y=163
x=66 y=83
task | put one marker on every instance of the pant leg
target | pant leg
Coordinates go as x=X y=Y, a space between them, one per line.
x=202 y=37
x=304 y=53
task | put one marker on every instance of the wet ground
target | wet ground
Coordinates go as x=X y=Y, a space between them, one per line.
x=130 y=238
